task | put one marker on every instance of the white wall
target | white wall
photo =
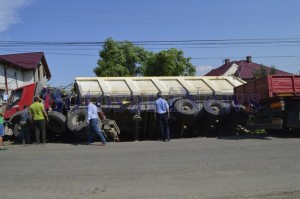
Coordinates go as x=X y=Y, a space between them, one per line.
x=231 y=70
x=2 y=78
x=17 y=77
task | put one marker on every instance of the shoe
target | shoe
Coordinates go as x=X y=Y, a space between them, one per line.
x=102 y=144
x=166 y=140
x=3 y=149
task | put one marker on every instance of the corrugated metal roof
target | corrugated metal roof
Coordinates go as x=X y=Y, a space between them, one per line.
x=27 y=61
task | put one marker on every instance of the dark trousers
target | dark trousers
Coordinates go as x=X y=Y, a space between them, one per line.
x=40 y=129
x=163 y=125
x=26 y=133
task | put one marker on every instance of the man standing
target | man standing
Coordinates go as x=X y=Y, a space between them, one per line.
x=162 y=114
x=93 y=122
x=38 y=114
x=25 y=125
x=1 y=131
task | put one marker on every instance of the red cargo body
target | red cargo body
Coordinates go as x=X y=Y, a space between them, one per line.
x=271 y=86
x=277 y=105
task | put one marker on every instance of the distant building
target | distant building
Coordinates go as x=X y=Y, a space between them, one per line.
x=243 y=69
x=18 y=70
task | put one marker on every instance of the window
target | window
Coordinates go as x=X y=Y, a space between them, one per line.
x=15 y=97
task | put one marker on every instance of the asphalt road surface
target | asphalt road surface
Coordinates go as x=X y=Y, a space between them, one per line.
x=209 y=168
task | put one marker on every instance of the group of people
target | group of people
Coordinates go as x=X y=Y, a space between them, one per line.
x=36 y=116
x=33 y=115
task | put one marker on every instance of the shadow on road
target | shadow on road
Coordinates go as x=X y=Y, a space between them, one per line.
x=263 y=136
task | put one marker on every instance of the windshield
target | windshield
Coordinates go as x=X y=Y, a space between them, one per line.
x=15 y=97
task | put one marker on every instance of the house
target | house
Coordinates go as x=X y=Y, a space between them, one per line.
x=18 y=70
x=244 y=69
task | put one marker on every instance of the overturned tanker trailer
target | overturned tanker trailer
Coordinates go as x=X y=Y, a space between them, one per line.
x=198 y=104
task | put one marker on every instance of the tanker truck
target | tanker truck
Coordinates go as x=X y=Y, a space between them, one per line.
x=199 y=105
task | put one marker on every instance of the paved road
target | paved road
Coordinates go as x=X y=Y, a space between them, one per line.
x=210 y=168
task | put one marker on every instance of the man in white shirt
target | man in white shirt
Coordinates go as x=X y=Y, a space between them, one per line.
x=162 y=114
x=93 y=123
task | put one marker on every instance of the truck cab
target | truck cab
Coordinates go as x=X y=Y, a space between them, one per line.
x=18 y=98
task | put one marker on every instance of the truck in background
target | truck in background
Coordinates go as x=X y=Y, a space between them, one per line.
x=272 y=103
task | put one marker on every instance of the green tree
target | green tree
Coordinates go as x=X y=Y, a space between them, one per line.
x=120 y=59
x=262 y=71
x=168 y=63
x=126 y=59
x=273 y=70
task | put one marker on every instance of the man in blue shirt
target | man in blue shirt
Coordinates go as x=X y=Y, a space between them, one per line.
x=162 y=114
x=93 y=122
x=25 y=125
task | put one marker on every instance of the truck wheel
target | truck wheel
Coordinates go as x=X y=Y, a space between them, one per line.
x=57 y=122
x=83 y=134
x=77 y=120
x=216 y=108
x=186 y=109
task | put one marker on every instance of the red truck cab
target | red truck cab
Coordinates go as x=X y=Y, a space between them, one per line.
x=19 y=97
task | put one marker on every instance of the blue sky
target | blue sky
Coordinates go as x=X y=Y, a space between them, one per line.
x=267 y=30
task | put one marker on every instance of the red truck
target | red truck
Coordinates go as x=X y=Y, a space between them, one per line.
x=65 y=113
x=272 y=102
x=24 y=96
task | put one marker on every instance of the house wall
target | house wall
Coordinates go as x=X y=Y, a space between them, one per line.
x=17 y=77
x=40 y=74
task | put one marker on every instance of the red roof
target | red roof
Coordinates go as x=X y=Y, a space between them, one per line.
x=27 y=61
x=245 y=69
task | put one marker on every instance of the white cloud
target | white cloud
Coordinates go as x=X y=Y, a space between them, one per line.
x=202 y=70
x=9 y=12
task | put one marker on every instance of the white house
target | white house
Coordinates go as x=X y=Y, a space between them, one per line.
x=18 y=70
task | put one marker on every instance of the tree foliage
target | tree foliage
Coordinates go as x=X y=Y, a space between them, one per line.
x=120 y=59
x=168 y=63
x=263 y=71
x=126 y=59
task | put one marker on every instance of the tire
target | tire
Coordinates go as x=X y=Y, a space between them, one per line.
x=57 y=122
x=186 y=109
x=215 y=107
x=77 y=121
x=83 y=134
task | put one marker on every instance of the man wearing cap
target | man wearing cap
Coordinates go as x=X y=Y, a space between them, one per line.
x=162 y=114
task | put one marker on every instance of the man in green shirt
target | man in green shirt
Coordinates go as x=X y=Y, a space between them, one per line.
x=38 y=114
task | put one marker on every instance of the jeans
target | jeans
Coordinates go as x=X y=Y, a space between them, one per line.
x=164 y=125
x=40 y=129
x=94 y=128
